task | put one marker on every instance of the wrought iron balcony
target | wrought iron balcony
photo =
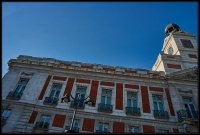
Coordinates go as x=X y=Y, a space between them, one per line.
x=51 y=101
x=74 y=129
x=133 y=111
x=78 y=104
x=161 y=114
x=105 y=108
x=183 y=114
x=41 y=125
x=102 y=132
x=14 y=95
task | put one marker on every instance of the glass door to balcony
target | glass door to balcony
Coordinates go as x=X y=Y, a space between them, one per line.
x=158 y=102
x=132 y=99
x=106 y=96
x=189 y=107
x=103 y=127
x=21 y=86
x=80 y=92
x=55 y=91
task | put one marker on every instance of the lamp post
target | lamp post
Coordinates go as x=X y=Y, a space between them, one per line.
x=76 y=102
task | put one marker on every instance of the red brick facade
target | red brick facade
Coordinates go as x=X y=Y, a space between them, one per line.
x=118 y=127
x=33 y=117
x=69 y=86
x=119 y=96
x=44 y=88
x=88 y=124
x=59 y=120
x=148 y=129
x=145 y=99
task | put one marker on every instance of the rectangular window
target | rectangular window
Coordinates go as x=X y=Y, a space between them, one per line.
x=163 y=131
x=134 y=129
x=186 y=43
x=132 y=99
x=158 y=102
x=44 y=122
x=5 y=114
x=53 y=95
x=189 y=107
x=80 y=92
x=21 y=86
x=75 y=126
x=106 y=96
x=55 y=90
x=103 y=127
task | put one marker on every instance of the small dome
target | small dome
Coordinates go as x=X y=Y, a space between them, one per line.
x=171 y=28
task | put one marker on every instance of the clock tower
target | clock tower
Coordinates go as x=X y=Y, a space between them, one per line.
x=179 y=51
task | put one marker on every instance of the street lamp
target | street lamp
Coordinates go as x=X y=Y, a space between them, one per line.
x=76 y=101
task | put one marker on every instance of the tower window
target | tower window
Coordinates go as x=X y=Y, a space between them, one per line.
x=186 y=43
x=170 y=51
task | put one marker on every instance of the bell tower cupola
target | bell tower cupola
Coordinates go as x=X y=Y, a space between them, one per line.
x=179 y=51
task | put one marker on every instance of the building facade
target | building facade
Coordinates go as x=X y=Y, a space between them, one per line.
x=125 y=100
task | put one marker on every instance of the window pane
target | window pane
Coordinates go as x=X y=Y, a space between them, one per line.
x=188 y=110
x=103 y=100
x=129 y=102
x=161 y=106
x=155 y=106
x=108 y=101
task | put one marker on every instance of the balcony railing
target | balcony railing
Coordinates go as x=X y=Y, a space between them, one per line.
x=75 y=129
x=78 y=104
x=133 y=111
x=51 y=101
x=183 y=114
x=14 y=95
x=41 y=125
x=105 y=108
x=161 y=114
x=102 y=132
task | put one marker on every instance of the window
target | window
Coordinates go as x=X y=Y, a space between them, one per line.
x=44 y=122
x=158 y=102
x=186 y=43
x=80 y=92
x=75 y=126
x=54 y=94
x=55 y=90
x=106 y=96
x=5 y=114
x=17 y=93
x=103 y=127
x=134 y=129
x=163 y=131
x=132 y=99
x=189 y=107
x=170 y=51
x=21 y=86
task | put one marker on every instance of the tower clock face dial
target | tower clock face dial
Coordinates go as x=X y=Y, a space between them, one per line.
x=170 y=51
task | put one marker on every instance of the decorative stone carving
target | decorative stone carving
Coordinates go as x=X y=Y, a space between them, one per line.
x=27 y=74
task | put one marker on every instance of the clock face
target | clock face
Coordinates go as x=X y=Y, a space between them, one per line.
x=170 y=51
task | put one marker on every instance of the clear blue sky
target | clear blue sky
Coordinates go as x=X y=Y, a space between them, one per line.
x=128 y=34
